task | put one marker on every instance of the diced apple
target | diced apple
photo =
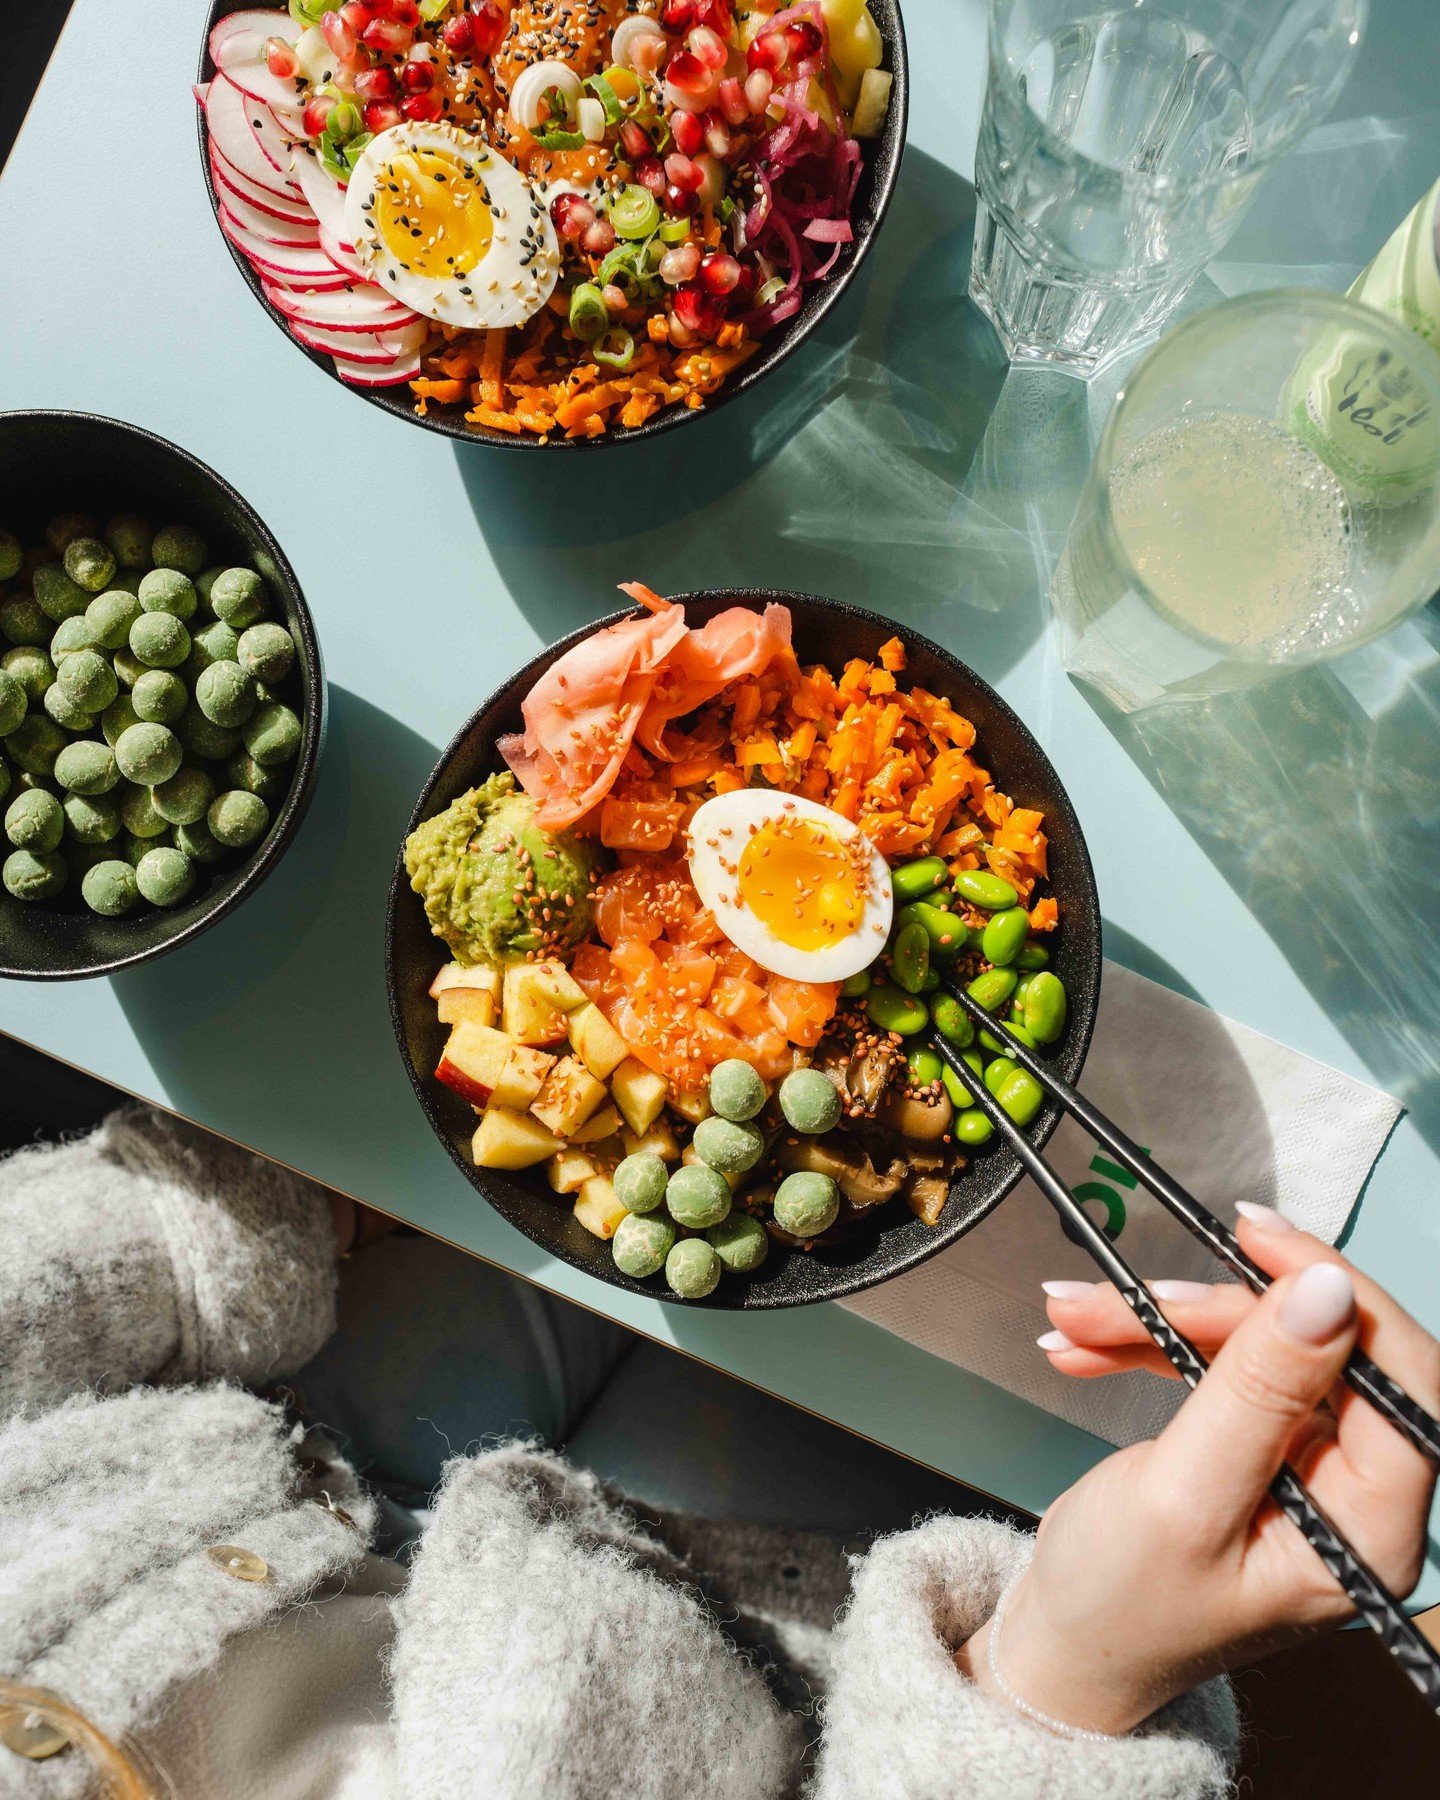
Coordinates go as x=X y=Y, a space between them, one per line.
x=568 y=1170
x=522 y=1077
x=570 y=1094
x=595 y=1040
x=659 y=1140
x=602 y=1124
x=511 y=1140
x=596 y=1207
x=639 y=1093
x=457 y=1003
x=693 y=1106
x=472 y=1061
x=560 y=987
x=484 y=976
x=526 y=1010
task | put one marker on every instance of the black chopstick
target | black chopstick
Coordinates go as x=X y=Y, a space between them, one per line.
x=1372 y=1600
x=1360 y=1373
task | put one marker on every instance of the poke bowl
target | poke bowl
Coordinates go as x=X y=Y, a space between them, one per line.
x=672 y=921
x=542 y=223
x=159 y=676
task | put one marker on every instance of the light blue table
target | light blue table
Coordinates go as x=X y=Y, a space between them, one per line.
x=1278 y=857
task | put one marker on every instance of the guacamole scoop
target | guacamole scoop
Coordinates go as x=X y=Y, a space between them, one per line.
x=487 y=873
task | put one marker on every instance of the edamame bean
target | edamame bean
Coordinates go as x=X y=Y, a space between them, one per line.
x=992 y=989
x=954 y=1087
x=892 y=1009
x=1020 y=1096
x=925 y=1065
x=853 y=986
x=1046 y=1007
x=944 y=930
x=910 y=957
x=972 y=1127
x=974 y=1062
x=952 y=1021
x=914 y=880
x=1032 y=956
x=998 y=1072
x=931 y=981
x=997 y=1047
x=1003 y=935
x=985 y=890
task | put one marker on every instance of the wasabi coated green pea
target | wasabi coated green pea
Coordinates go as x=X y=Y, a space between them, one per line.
x=185 y=798
x=997 y=1072
x=697 y=1195
x=126 y=582
x=925 y=1065
x=1032 y=956
x=810 y=1101
x=272 y=735
x=1003 y=935
x=692 y=1269
x=89 y=563
x=128 y=667
x=237 y=818
x=34 y=744
x=34 y=821
x=159 y=697
x=740 y=1242
x=238 y=597
x=92 y=818
x=6 y=778
x=71 y=635
x=148 y=754
x=914 y=880
x=203 y=737
x=86 y=767
x=12 y=555
x=952 y=1021
x=81 y=857
x=159 y=641
x=63 y=710
x=736 y=1090
x=641 y=1244
x=806 y=1204
x=131 y=848
x=985 y=890
x=87 y=680
x=138 y=814
x=168 y=591
x=110 y=888
x=66 y=526
x=853 y=986
x=267 y=652
x=1046 y=1007
x=910 y=957
x=110 y=616
x=269 y=784
x=34 y=559
x=178 y=547
x=197 y=843
x=639 y=1182
x=57 y=596
x=972 y=1127
x=118 y=716
x=993 y=988
x=164 y=876
x=29 y=876
x=22 y=621
x=128 y=535
x=892 y=1009
x=205 y=580
x=1020 y=1096
x=730 y=1145
x=944 y=929
x=215 y=642
x=14 y=703
x=226 y=695
x=31 y=667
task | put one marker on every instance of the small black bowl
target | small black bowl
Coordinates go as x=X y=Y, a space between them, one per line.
x=68 y=461
x=830 y=632
x=877 y=183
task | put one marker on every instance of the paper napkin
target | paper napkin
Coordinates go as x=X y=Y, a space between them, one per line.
x=1229 y=1112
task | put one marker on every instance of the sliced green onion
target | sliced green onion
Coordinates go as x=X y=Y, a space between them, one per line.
x=674 y=231
x=608 y=98
x=432 y=9
x=618 y=269
x=634 y=212
x=555 y=133
x=770 y=289
x=343 y=122
x=616 y=348
x=589 y=316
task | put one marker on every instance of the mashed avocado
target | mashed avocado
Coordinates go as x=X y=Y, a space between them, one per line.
x=470 y=862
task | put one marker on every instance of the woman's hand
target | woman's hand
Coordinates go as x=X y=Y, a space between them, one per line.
x=1168 y=1562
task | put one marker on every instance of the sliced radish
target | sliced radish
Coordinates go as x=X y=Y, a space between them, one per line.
x=282 y=98
x=324 y=194
x=347 y=309
x=343 y=257
x=298 y=234
x=293 y=211
x=275 y=144
x=361 y=375
x=227 y=115
x=200 y=89
x=289 y=268
x=362 y=346
x=243 y=34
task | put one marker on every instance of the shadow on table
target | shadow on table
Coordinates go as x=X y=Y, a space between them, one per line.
x=1318 y=798
x=892 y=461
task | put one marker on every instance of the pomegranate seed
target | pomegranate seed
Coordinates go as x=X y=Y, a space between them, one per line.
x=733 y=103
x=768 y=51
x=682 y=173
x=599 y=238
x=677 y=15
x=490 y=25
x=746 y=282
x=615 y=298
x=379 y=9
x=759 y=85
x=356 y=15
x=634 y=141
x=698 y=311
x=423 y=108
x=281 y=60
x=317 y=111
x=387 y=36
x=419 y=77
x=802 y=39
x=719 y=273
x=688 y=133
x=717 y=133
x=650 y=173
x=679 y=265
x=572 y=215
x=681 y=201
x=708 y=47
x=338 y=35
x=375 y=84
x=405 y=12
x=459 y=34
x=687 y=74
x=380 y=115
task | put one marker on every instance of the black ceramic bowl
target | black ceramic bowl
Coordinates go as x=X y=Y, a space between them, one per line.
x=825 y=631
x=877 y=184
x=64 y=461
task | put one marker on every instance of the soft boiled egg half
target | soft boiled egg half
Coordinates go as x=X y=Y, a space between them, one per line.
x=451 y=229
x=791 y=883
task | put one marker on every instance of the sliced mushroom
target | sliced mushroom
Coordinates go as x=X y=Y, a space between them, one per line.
x=922 y=1121
x=862 y=1184
x=926 y=1197
x=867 y=1074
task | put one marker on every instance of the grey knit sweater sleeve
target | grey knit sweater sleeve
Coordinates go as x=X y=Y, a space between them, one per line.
x=152 y=1251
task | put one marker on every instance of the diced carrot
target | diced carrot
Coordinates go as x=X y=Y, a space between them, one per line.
x=892 y=655
x=447 y=391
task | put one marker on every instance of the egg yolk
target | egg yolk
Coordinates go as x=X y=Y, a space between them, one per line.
x=803 y=882
x=431 y=215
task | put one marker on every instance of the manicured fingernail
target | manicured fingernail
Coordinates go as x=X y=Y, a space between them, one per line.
x=1069 y=1290
x=1054 y=1340
x=1263 y=1218
x=1193 y=1293
x=1321 y=1303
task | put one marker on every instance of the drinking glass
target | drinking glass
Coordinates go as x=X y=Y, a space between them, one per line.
x=1119 y=147
x=1266 y=493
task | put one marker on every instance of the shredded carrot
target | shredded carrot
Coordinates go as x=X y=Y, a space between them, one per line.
x=491 y=369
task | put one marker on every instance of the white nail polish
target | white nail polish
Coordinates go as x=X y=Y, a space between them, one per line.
x=1191 y=1293
x=1054 y=1340
x=1321 y=1304
x=1068 y=1290
x=1263 y=1218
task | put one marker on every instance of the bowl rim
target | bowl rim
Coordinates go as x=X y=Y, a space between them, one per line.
x=842 y=1282
x=297 y=801
x=890 y=153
